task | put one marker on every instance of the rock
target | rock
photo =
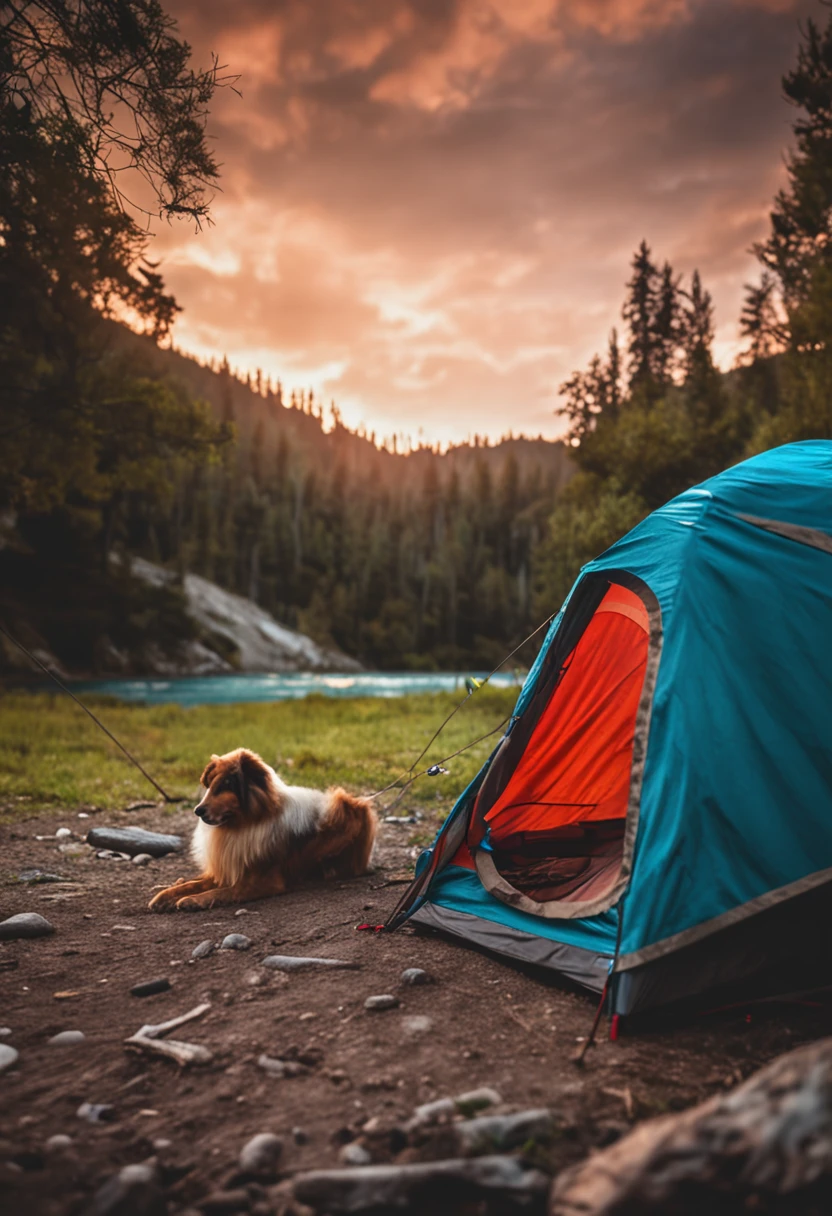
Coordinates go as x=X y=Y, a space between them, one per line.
x=142 y=859
x=63 y=834
x=290 y=962
x=58 y=1144
x=133 y=841
x=417 y=1024
x=281 y=1068
x=354 y=1154
x=150 y=987
x=5 y=1031
x=35 y=878
x=8 y=1056
x=25 y=924
x=766 y=1146
x=235 y=941
x=93 y=1112
x=133 y=1191
x=300 y=1136
x=491 y=1132
x=112 y=855
x=444 y=1185
x=260 y=1155
x=477 y=1099
x=414 y=977
x=377 y=1004
x=224 y=1203
x=66 y=1038
x=203 y=949
x=439 y=1111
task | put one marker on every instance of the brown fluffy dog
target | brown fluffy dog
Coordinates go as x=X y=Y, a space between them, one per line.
x=258 y=836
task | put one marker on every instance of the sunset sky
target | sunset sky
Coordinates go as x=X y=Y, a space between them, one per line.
x=429 y=207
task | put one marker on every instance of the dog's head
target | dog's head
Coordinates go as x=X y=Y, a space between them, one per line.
x=236 y=788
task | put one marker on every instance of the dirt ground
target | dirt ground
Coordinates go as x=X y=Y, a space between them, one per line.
x=490 y=1025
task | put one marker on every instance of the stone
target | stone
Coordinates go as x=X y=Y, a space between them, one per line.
x=417 y=1023
x=25 y=924
x=504 y=1182
x=224 y=1203
x=63 y=834
x=289 y=962
x=96 y=1112
x=260 y=1155
x=134 y=840
x=203 y=949
x=8 y=1056
x=477 y=1099
x=150 y=987
x=58 y=1144
x=439 y=1111
x=281 y=1068
x=235 y=941
x=112 y=855
x=142 y=859
x=354 y=1154
x=764 y=1146
x=414 y=977
x=134 y=1191
x=66 y=1038
x=490 y=1132
x=5 y=1031
x=377 y=1004
x=35 y=878
x=300 y=1136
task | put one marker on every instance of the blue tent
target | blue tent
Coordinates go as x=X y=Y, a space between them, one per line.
x=658 y=816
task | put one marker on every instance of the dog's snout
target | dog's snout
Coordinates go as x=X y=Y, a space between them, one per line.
x=200 y=810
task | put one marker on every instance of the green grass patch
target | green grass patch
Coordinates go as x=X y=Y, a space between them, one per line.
x=53 y=756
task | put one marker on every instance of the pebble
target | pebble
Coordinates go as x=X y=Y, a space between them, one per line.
x=354 y=1154
x=34 y=878
x=376 y=1004
x=150 y=987
x=25 y=924
x=300 y=1136
x=8 y=1056
x=235 y=941
x=63 y=834
x=96 y=1112
x=414 y=977
x=161 y=1143
x=142 y=859
x=112 y=855
x=429 y=1113
x=261 y=1154
x=291 y=962
x=203 y=949
x=134 y=840
x=417 y=1024
x=66 y=1038
x=58 y=1144
x=133 y=1191
x=5 y=1031
x=477 y=1099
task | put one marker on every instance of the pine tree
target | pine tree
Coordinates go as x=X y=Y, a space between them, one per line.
x=667 y=327
x=639 y=311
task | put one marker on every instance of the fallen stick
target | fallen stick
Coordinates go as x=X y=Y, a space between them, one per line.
x=172 y=1049
x=156 y=1032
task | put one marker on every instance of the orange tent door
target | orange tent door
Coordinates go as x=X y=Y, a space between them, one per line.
x=557 y=828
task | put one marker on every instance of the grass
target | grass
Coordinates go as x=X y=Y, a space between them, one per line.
x=52 y=756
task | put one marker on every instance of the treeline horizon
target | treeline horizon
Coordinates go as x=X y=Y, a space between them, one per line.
x=113 y=443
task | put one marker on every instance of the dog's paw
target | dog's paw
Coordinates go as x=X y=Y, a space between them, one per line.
x=165 y=901
x=195 y=903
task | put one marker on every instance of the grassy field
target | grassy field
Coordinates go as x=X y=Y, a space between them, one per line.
x=53 y=756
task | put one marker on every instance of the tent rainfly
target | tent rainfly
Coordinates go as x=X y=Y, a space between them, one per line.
x=657 y=818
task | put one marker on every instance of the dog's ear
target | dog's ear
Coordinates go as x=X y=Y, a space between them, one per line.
x=251 y=771
x=210 y=772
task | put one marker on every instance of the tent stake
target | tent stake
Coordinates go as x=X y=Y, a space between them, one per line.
x=578 y=1058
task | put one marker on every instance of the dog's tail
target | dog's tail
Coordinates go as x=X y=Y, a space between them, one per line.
x=350 y=827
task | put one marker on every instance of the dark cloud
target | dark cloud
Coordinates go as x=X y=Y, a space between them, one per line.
x=428 y=209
